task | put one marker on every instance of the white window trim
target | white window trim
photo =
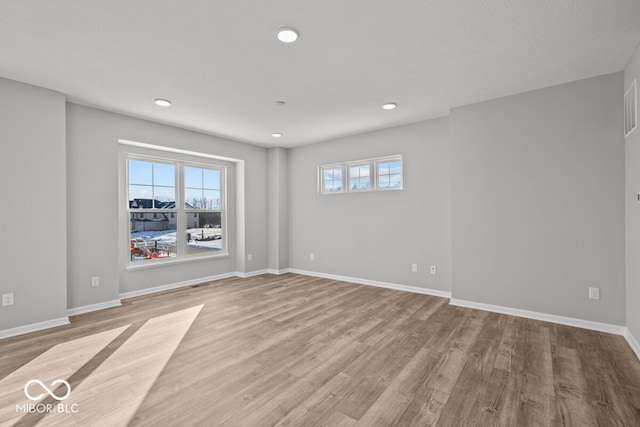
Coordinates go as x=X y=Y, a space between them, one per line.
x=321 y=177
x=372 y=182
x=180 y=211
x=384 y=160
x=373 y=175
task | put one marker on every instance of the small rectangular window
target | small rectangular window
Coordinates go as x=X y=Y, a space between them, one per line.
x=389 y=174
x=382 y=173
x=331 y=179
x=359 y=177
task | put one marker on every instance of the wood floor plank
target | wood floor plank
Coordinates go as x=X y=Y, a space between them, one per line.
x=294 y=350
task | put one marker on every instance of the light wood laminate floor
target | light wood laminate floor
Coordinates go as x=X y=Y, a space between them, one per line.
x=292 y=350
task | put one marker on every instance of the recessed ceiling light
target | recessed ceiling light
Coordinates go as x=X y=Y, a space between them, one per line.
x=287 y=35
x=276 y=135
x=163 y=102
x=389 y=106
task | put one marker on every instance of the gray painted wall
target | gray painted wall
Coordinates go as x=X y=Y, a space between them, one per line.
x=376 y=235
x=92 y=146
x=33 y=255
x=538 y=200
x=278 y=200
x=632 y=180
x=536 y=179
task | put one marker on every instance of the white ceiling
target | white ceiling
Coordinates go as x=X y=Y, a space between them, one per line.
x=223 y=68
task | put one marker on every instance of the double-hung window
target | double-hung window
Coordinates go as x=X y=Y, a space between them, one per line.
x=176 y=209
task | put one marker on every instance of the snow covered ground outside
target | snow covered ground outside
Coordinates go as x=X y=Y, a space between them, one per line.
x=201 y=238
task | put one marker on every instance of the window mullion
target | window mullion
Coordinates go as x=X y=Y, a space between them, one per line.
x=181 y=221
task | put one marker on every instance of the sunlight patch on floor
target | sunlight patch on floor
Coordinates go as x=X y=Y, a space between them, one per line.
x=114 y=391
x=59 y=362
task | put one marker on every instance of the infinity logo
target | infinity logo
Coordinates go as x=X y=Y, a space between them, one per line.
x=51 y=393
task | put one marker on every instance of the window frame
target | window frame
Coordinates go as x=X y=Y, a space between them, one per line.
x=377 y=172
x=348 y=178
x=180 y=211
x=221 y=208
x=374 y=181
x=322 y=181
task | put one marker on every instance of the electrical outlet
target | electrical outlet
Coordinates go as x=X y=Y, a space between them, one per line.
x=312 y=256
x=95 y=281
x=414 y=268
x=594 y=293
x=433 y=270
x=7 y=299
x=249 y=257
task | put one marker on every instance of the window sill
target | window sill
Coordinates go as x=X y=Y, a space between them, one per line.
x=159 y=263
x=368 y=190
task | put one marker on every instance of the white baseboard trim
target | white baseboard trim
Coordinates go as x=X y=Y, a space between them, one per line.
x=251 y=273
x=34 y=327
x=569 y=321
x=93 y=307
x=633 y=342
x=277 y=272
x=177 y=285
x=395 y=286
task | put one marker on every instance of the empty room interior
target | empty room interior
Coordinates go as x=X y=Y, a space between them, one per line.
x=330 y=213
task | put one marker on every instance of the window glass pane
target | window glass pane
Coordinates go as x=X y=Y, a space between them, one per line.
x=140 y=172
x=360 y=183
x=383 y=168
x=158 y=190
x=211 y=199
x=390 y=174
x=164 y=174
x=332 y=179
x=192 y=198
x=140 y=197
x=204 y=232
x=192 y=177
x=165 y=197
x=202 y=188
x=396 y=167
x=359 y=177
x=152 y=238
x=211 y=179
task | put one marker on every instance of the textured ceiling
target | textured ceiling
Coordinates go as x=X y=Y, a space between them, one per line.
x=221 y=65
